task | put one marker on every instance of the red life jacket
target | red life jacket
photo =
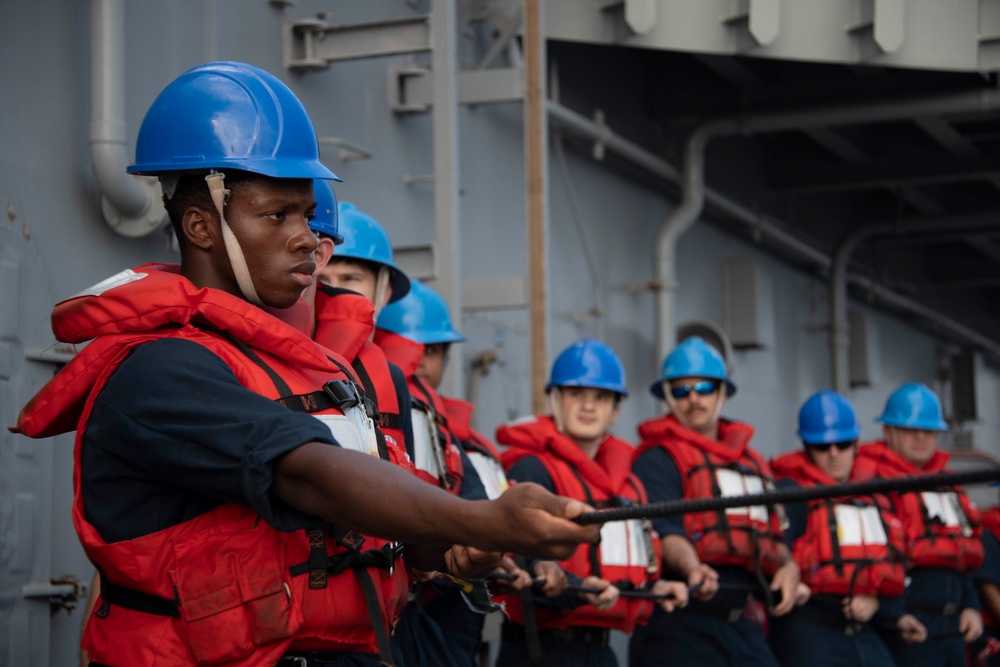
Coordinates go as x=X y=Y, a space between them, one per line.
x=482 y=453
x=435 y=452
x=851 y=545
x=344 y=324
x=628 y=553
x=942 y=526
x=234 y=588
x=745 y=537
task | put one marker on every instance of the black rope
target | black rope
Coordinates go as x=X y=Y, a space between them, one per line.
x=790 y=495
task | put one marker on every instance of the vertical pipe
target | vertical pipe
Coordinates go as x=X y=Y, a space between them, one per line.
x=108 y=132
x=840 y=334
x=444 y=29
x=536 y=201
x=678 y=222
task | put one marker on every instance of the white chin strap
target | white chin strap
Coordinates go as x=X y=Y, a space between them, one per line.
x=672 y=405
x=555 y=408
x=216 y=186
x=382 y=292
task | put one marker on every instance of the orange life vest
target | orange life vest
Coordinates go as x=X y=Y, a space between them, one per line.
x=851 y=545
x=942 y=525
x=223 y=588
x=747 y=537
x=343 y=324
x=435 y=451
x=482 y=453
x=628 y=554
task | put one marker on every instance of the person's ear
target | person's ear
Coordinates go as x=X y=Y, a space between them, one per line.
x=323 y=253
x=199 y=228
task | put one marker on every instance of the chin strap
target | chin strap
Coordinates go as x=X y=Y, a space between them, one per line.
x=672 y=405
x=382 y=292
x=216 y=186
x=555 y=408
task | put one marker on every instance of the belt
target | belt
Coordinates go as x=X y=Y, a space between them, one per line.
x=947 y=609
x=829 y=618
x=584 y=635
x=314 y=659
x=720 y=612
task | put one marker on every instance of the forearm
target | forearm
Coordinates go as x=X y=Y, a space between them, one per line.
x=679 y=555
x=377 y=498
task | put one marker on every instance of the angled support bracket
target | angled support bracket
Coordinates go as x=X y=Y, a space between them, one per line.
x=313 y=44
x=411 y=89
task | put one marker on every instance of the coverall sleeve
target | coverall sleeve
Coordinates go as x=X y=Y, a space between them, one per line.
x=174 y=434
x=659 y=474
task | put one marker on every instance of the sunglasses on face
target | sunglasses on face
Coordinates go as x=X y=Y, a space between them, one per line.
x=825 y=446
x=703 y=388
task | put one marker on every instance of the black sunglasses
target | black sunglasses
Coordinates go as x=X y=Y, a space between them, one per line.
x=703 y=388
x=825 y=446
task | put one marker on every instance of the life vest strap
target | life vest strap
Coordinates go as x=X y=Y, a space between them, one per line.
x=383 y=558
x=128 y=598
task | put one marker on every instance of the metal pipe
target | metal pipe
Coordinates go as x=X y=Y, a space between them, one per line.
x=447 y=231
x=840 y=335
x=694 y=191
x=764 y=226
x=966 y=101
x=130 y=206
x=955 y=330
x=602 y=134
x=677 y=223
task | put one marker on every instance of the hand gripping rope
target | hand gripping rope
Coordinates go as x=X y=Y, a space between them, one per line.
x=795 y=495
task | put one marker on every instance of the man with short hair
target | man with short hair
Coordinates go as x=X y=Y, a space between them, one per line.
x=364 y=263
x=421 y=321
x=724 y=555
x=229 y=484
x=941 y=525
x=572 y=452
x=851 y=551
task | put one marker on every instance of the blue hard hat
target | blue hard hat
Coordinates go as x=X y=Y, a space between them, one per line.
x=422 y=316
x=693 y=358
x=827 y=417
x=914 y=406
x=365 y=239
x=327 y=214
x=588 y=363
x=228 y=115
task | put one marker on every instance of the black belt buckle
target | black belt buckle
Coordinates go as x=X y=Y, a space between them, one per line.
x=949 y=609
x=344 y=394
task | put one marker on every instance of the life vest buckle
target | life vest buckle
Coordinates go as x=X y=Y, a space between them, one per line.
x=343 y=393
x=346 y=394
